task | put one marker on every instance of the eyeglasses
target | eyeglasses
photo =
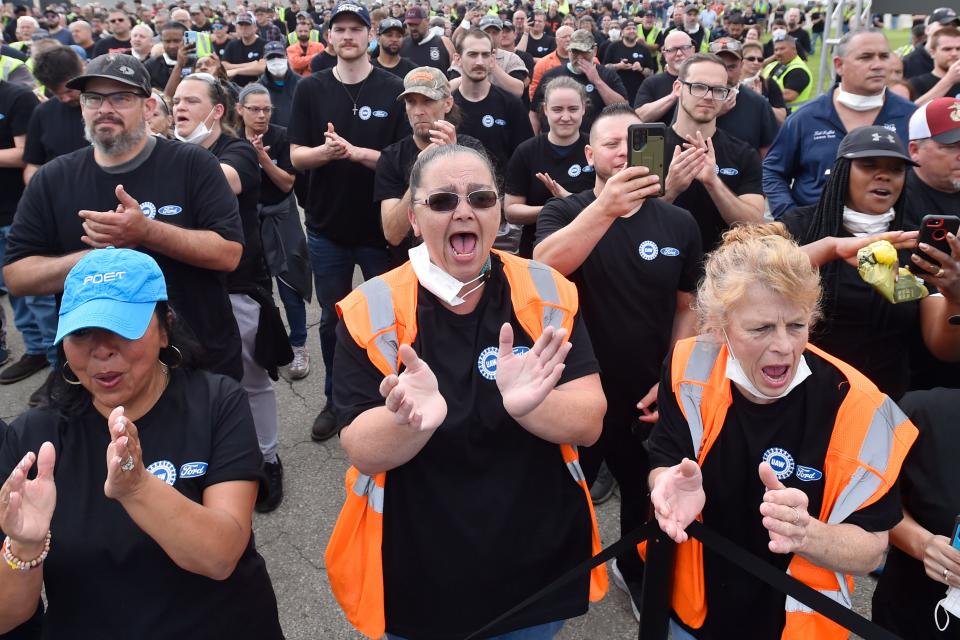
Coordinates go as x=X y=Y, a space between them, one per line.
x=685 y=48
x=118 y=100
x=446 y=201
x=753 y=58
x=699 y=90
x=258 y=110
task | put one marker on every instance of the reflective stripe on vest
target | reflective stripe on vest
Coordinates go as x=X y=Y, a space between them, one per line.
x=380 y=315
x=856 y=474
x=782 y=71
x=7 y=65
x=651 y=38
x=204 y=45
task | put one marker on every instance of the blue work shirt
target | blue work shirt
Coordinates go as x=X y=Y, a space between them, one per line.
x=806 y=147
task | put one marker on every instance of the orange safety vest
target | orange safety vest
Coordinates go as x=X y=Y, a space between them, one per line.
x=381 y=315
x=870 y=439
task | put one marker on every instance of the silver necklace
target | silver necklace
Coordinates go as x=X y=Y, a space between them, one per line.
x=349 y=95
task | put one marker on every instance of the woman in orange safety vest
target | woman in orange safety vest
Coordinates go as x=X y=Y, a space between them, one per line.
x=466 y=494
x=780 y=447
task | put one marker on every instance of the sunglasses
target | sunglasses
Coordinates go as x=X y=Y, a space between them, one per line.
x=446 y=201
x=753 y=58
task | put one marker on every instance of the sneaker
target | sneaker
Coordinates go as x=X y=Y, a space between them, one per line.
x=270 y=499
x=602 y=488
x=325 y=425
x=41 y=397
x=300 y=367
x=622 y=585
x=26 y=366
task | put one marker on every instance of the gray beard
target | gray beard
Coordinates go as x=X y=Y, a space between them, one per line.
x=119 y=145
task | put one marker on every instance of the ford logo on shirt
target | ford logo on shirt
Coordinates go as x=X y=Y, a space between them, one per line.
x=808 y=474
x=192 y=470
x=169 y=210
x=670 y=252
x=379 y=113
x=727 y=171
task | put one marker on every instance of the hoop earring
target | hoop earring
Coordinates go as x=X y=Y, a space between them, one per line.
x=179 y=358
x=63 y=374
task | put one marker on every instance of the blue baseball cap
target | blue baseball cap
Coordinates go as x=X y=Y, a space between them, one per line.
x=346 y=7
x=112 y=289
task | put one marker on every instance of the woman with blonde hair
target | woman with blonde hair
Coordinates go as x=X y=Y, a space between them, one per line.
x=797 y=451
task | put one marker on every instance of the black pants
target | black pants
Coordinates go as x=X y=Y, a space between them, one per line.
x=621 y=446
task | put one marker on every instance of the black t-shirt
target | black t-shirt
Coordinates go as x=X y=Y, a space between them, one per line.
x=326 y=59
x=241 y=155
x=618 y=51
x=178 y=184
x=567 y=165
x=751 y=120
x=859 y=325
x=917 y=62
x=595 y=102
x=199 y=433
x=905 y=596
x=401 y=69
x=220 y=48
x=924 y=83
x=238 y=53
x=653 y=88
x=499 y=121
x=159 y=72
x=628 y=287
x=428 y=53
x=339 y=205
x=17 y=104
x=56 y=129
x=446 y=507
x=393 y=178
x=803 y=41
x=276 y=139
x=111 y=44
x=739 y=168
x=542 y=47
x=798 y=428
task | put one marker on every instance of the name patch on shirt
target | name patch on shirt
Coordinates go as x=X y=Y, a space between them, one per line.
x=825 y=134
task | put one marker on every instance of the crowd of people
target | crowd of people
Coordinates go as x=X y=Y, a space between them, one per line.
x=697 y=333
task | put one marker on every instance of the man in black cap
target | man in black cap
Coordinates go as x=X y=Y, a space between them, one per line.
x=423 y=47
x=630 y=58
x=341 y=119
x=280 y=81
x=243 y=58
x=920 y=60
x=131 y=189
x=390 y=33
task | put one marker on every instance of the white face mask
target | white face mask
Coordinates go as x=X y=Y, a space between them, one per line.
x=277 y=66
x=199 y=134
x=865 y=224
x=950 y=604
x=858 y=102
x=737 y=375
x=439 y=282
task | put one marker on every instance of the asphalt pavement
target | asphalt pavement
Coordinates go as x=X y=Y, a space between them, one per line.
x=293 y=537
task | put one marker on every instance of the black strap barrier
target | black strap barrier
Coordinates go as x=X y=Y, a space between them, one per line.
x=727 y=549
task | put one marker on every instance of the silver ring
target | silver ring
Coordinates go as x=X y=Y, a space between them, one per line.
x=797 y=512
x=128 y=464
x=939 y=273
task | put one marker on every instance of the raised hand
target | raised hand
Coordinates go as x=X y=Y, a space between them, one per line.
x=784 y=513
x=526 y=380
x=124 y=227
x=414 y=397
x=554 y=187
x=678 y=498
x=125 y=470
x=26 y=506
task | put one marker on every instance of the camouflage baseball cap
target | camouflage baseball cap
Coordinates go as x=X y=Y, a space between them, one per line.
x=427 y=81
x=582 y=40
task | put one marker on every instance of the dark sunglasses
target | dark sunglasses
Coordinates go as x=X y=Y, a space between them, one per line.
x=753 y=58
x=446 y=201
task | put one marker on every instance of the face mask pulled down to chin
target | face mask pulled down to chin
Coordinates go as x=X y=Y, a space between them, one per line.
x=737 y=375
x=199 y=134
x=439 y=282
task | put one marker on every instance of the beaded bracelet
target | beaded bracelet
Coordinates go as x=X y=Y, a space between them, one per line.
x=17 y=564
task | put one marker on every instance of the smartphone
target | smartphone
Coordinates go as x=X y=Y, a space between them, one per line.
x=645 y=147
x=933 y=231
x=955 y=538
x=190 y=38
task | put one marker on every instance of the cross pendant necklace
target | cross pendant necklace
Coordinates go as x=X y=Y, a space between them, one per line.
x=353 y=99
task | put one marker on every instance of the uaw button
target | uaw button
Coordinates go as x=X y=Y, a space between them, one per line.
x=780 y=461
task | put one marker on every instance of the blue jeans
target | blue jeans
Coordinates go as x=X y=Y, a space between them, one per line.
x=34 y=316
x=814 y=37
x=296 y=310
x=679 y=633
x=333 y=265
x=540 y=632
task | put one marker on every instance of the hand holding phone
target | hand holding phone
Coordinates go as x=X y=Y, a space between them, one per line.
x=645 y=148
x=933 y=232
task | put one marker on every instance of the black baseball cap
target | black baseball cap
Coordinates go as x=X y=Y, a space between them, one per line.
x=873 y=142
x=943 y=15
x=120 y=67
x=389 y=23
x=350 y=8
x=274 y=49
